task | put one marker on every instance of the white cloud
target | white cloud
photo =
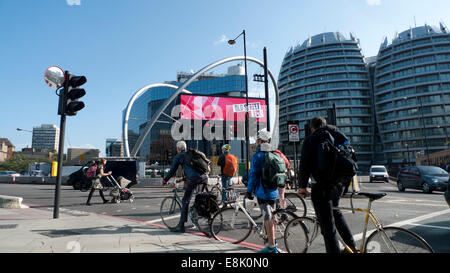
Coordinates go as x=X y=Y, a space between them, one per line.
x=373 y=2
x=73 y=2
x=222 y=39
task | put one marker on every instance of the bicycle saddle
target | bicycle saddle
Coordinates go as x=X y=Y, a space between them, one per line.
x=373 y=196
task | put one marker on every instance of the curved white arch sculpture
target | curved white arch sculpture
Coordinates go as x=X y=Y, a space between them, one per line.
x=275 y=138
x=126 y=117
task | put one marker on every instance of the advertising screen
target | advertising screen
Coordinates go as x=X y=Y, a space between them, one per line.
x=221 y=108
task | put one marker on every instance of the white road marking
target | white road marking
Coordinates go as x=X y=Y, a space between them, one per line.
x=358 y=237
x=438 y=227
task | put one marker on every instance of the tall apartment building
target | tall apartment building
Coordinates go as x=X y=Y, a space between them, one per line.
x=325 y=69
x=45 y=137
x=412 y=93
x=395 y=106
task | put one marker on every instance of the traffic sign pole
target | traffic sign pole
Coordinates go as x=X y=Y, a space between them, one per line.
x=294 y=137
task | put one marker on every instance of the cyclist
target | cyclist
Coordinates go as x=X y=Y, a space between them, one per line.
x=193 y=178
x=282 y=189
x=226 y=168
x=324 y=195
x=266 y=197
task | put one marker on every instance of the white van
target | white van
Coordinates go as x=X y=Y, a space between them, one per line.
x=378 y=173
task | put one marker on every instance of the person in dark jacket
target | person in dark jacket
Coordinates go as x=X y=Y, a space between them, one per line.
x=193 y=179
x=324 y=194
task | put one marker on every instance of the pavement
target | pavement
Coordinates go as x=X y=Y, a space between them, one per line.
x=33 y=230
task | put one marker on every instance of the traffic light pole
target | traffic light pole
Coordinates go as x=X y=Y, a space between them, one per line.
x=62 y=129
x=60 y=163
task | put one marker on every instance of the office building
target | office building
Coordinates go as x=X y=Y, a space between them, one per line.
x=45 y=138
x=114 y=147
x=80 y=156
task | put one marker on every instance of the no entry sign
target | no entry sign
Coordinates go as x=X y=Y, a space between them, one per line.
x=293 y=133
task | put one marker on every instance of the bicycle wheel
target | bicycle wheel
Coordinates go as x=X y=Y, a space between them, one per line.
x=282 y=218
x=295 y=203
x=231 y=225
x=202 y=223
x=170 y=212
x=300 y=233
x=396 y=240
x=218 y=193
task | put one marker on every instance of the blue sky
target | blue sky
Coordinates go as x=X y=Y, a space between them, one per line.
x=123 y=45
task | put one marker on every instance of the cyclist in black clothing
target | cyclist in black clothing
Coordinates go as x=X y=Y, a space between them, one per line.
x=324 y=195
x=193 y=178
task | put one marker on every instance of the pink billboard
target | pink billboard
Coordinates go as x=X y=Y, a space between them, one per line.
x=221 y=108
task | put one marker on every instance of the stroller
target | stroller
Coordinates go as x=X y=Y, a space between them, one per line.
x=119 y=192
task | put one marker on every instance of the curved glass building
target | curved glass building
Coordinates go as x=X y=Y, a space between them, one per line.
x=328 y=69
x=412 y=93
x=159 y=145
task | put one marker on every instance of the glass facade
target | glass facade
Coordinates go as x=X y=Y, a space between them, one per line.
x=328 y=68
x=412 y=93
x=159 y=146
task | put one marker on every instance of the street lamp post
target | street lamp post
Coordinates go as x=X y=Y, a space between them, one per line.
x=423 y=131
x=247 y=141
x=20 y=129
x=407 y=151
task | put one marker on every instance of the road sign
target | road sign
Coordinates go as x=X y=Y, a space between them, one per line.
x=294 y=135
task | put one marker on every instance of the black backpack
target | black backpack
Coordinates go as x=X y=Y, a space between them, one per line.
x=197 y=161
x=206 y=204
x=336 y=161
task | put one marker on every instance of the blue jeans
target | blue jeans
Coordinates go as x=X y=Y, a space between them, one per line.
x=225 y=184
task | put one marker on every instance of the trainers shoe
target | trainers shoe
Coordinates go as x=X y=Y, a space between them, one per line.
x=269 y=249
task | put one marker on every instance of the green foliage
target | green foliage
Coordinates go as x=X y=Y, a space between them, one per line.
x=20 y=162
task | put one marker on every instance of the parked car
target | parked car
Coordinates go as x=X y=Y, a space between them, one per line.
x=9 y=173
x=378 y=173
x=425 y=178
x=447 y=193
x=38 y=173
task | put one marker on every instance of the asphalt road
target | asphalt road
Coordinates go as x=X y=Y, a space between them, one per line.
x=425 y=214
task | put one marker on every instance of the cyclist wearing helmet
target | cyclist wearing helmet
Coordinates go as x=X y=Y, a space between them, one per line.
x=266 y=197
x=226 y=178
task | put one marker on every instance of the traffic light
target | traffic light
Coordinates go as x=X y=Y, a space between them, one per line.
x=69 y=104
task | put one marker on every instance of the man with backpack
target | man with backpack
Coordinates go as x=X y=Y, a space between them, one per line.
x=195 y=167
x=317 y=160
x=228 y=167
x=267 y=173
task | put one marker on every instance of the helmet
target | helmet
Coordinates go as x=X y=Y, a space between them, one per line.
x=264 y=135
x=226 y=147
